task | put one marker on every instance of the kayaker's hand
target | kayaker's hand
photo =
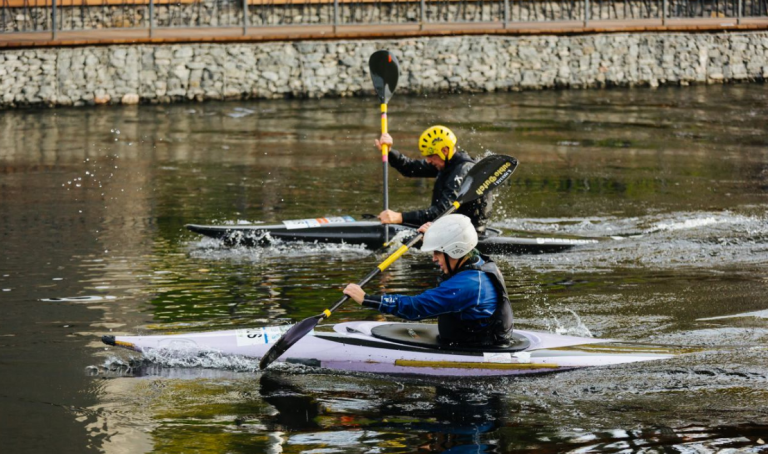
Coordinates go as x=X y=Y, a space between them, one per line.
x=390 y=217
x=385 y=139
x=425 y=227
x=355 y=292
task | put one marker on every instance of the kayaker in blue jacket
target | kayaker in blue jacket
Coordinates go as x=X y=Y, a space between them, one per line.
x=470 y=303
x=448 y=165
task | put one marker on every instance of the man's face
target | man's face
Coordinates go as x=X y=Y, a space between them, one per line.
x=436 y=161
x=440 y=258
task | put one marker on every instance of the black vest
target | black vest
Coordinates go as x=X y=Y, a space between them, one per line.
x=498 y=327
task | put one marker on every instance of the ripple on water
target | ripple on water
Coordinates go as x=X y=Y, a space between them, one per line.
x=673 y=240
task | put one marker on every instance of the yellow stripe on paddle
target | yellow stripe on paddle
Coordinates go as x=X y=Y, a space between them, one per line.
x=395 y=255
x=384 y=148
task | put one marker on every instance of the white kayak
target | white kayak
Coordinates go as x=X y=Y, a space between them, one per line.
x=405 y=349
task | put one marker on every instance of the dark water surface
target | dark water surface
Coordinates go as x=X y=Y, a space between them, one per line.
x=92 y=208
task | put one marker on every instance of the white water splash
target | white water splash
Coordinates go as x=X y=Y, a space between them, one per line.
x=711 y=240
x=694 y=223
x=756 y=314
x=195 y=358
x=111 y=365
x=212 y=249
x=611 y=225
x=175 y=361
x=743 y=338
x=400 y=238
x=570 y=326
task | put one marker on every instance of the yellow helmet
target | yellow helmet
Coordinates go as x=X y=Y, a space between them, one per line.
x=434 y=139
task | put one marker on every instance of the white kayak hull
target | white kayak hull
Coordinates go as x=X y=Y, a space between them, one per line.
x=352 y=348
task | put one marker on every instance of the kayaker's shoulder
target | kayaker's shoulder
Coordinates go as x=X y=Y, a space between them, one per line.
x=460 y=164
x=463 y=280
x=461 y=157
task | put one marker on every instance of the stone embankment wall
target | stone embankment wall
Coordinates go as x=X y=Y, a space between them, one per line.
x=168 y=73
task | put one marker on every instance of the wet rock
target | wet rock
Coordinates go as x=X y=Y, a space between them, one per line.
x=130 y=98
x=101 y=98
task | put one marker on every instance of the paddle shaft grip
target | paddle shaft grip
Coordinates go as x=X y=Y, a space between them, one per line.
x=365 y=280
x=382 y=266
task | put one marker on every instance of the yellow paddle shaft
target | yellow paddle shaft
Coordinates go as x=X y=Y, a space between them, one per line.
x=384 y=148
x=395 y=255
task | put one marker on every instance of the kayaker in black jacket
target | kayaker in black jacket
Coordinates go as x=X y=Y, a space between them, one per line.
x=448 y=165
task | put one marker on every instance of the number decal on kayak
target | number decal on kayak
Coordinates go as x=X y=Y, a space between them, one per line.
x=507 y=358
x=260 y=336
x=246 y=337
x=317 y=222
x=500 y=357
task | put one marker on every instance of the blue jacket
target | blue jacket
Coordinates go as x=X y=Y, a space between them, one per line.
x=470 y=293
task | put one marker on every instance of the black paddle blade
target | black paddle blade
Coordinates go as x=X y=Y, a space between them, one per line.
x=287 y=340
x=485 y=176
x=384 y=73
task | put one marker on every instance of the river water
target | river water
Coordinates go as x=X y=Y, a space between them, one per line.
x=93 y=203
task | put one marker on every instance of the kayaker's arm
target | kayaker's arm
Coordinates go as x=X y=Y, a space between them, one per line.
x=461 y=292
x=406 y=166
x=358 y=295
x=412 y=168
x=444 y=201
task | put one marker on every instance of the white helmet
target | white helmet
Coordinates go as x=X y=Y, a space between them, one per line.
x=453 y=234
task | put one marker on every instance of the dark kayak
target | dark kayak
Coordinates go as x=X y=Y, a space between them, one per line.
x=370 y=234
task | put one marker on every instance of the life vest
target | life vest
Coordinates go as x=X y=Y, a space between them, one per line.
x=495 y=330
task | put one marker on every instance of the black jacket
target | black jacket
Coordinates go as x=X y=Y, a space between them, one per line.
x=447 y=185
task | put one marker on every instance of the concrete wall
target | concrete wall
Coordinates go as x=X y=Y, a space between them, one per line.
x=168 y=73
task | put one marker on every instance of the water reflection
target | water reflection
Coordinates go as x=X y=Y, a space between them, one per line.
x=198 y=409
x=455 y=421
x=296 y=411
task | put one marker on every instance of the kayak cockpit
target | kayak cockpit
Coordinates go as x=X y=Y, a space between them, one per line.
x=427 y=336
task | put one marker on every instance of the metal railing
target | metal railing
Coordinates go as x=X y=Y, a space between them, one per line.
x=75 y=15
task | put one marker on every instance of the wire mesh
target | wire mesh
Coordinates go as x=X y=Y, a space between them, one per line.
x=37 y=15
